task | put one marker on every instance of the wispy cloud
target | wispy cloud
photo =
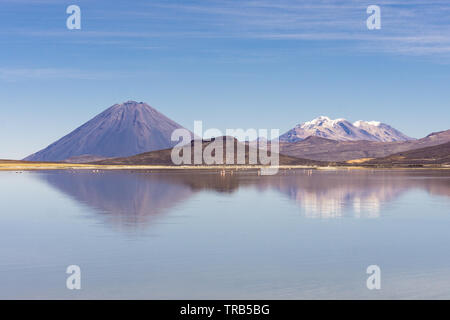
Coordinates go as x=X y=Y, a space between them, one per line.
x=409 y=27
x=417 y=27
x=16 y=74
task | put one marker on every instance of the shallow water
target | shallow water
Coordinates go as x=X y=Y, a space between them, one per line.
x=183 y=235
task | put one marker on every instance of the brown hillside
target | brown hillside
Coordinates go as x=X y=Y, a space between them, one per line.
x=435 y=155
x=163 y=157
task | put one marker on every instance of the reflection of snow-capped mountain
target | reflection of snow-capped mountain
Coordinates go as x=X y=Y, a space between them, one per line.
x=336 y=202
x=336 y=194
x=358 y=194
x=343 y=130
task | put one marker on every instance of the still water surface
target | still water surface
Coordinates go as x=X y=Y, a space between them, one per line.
x=154 y=235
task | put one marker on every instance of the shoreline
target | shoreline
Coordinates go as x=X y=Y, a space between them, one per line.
x=11 y=165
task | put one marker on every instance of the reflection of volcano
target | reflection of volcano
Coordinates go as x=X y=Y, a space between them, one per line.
x=135 y=198
x=127 y=198
x=131 y=198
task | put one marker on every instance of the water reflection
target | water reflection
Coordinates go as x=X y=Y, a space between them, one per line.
x=125 y=199
x=137 y=198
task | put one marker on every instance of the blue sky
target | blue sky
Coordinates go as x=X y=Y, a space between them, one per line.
x=231 y=64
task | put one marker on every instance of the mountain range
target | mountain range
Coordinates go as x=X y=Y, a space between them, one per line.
x=317 y=148
x=134 y=132
x=343 y=130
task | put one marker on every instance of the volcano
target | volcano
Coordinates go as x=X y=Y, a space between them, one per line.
x=120 y=131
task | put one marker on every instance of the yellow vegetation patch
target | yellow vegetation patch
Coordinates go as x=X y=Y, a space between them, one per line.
x=360 y=160
x=398 y=157
x=18 y=166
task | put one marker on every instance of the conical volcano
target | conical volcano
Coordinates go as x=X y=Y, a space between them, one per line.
x=122 y=130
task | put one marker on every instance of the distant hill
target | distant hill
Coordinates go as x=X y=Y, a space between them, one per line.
x=435 y=155
x=122 y=130
x=86 y=158
x=163 y=157
x=322 y=149
x=343 y=130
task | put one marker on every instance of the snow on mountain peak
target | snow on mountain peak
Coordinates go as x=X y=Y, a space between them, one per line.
x=360 y=123
x=343 y=130
x=321 y=121
x=321 y=118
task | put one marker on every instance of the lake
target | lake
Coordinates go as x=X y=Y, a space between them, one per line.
x=301 y=234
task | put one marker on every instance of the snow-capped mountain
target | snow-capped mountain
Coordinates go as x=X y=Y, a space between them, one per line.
x=343 y=130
